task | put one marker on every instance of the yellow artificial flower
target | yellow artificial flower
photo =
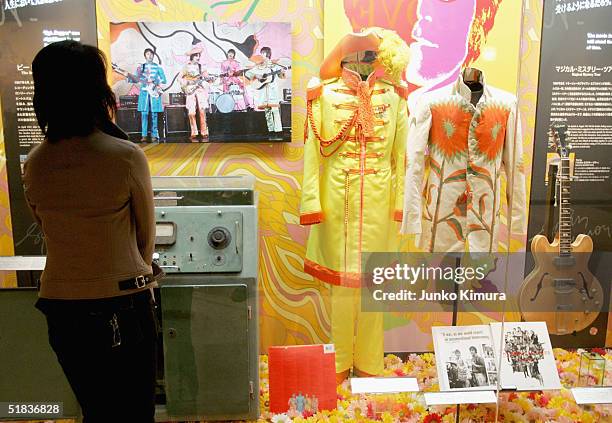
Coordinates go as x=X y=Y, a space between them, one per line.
x=586 y=417
x=387 y=417
x=525 y=404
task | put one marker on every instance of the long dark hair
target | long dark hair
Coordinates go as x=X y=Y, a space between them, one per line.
x=71 y=95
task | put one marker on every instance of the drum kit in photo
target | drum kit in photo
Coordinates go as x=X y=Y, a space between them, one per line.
x=233 y=100
x=226 y=102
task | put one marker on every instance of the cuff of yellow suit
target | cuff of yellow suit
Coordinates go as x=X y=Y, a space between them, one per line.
x=311 y=218
x=398 y=215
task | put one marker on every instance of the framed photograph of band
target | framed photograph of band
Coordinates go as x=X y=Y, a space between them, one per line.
x=465 y=358
x=193 y=82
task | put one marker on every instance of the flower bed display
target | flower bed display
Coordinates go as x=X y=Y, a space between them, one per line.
x=535 y=406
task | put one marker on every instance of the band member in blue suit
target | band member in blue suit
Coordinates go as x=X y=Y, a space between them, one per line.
x=150 y=76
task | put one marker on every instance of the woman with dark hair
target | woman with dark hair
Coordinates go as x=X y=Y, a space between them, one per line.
x=90 y=191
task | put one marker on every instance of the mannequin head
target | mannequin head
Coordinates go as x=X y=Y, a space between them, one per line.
x=374 y=48
x=361 y=62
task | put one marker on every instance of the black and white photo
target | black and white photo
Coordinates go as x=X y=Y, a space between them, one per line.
x=464 y=357
x=527 y=360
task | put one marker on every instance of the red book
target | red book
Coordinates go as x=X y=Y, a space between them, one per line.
x=302 y=378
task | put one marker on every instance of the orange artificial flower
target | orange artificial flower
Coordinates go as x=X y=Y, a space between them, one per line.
x=433 y=417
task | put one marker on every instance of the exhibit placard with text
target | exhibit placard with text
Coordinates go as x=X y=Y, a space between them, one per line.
x=575 y=92
x=25 y=28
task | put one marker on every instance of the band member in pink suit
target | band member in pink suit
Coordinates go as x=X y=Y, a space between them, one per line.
x=230 y=69
x=195 y=85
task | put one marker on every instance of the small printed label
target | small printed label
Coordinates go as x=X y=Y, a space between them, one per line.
x=460 y=397
x=328 y=348
x=19 y=410
x=592 y=395
x=383 y=385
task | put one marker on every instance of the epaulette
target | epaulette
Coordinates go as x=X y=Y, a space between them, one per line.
x=330 y=80
x=314 y=89
x=401 y=89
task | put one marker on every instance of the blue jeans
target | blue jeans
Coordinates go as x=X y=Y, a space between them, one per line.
x=145 y=124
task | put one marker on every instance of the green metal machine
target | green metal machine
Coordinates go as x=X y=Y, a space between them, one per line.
x=207 y=244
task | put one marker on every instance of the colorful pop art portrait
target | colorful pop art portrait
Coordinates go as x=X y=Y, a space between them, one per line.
x=444 y=35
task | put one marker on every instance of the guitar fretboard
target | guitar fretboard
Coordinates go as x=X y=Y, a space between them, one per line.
x=565 y=210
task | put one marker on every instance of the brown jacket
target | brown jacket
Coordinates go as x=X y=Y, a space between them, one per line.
x=93 y=198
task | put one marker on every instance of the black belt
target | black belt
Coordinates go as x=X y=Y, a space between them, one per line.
x=136 y=282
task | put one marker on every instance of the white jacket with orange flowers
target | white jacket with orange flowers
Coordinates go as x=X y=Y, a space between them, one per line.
x=465 y=148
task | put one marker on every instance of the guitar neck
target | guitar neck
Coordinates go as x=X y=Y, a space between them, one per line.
x=565 y=211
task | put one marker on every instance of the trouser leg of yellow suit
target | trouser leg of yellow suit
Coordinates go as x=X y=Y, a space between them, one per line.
x=369 y=341
x=361 y=348
x=342 y=326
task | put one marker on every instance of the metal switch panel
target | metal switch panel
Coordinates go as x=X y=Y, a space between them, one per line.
x=198 y=240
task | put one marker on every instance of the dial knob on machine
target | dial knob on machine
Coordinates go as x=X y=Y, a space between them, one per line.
x=219 y=238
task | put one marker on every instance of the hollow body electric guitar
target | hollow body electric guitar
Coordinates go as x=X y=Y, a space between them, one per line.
x=192 y=84
x=561 y=290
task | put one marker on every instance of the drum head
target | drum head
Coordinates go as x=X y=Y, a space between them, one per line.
x=212 y=97
x=235 y=89
x=225 y=103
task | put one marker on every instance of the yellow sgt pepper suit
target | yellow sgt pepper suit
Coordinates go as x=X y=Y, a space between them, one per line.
x=352 y=195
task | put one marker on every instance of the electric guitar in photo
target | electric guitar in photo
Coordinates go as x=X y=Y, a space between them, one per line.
x=192 y=84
